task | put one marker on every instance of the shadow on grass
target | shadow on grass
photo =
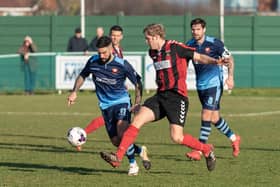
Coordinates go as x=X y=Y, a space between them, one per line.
x=182 y=158
x=29 y=167
x=43 y=137
x=43 y=148
x=178 y=157
x=106 y=140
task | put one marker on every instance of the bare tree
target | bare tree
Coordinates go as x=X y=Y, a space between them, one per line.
x=130 y=7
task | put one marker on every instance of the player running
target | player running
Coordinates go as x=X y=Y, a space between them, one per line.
x=170 y=62
x=109 y=74
x=116 y=34
x=209 y=83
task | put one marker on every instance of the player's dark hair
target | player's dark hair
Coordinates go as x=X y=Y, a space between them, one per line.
x=103 y=41
x=116 y=28
x=78 y=30
x=197 y=21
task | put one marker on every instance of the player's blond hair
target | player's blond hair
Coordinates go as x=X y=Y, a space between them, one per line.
x=155 y=29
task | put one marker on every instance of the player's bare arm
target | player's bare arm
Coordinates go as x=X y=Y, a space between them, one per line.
x=72 y=97
x=230 y=80
x=204 y=59
x=138 y=97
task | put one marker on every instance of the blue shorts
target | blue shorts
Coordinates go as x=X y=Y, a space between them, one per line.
x=114 y=113
x=210 y=98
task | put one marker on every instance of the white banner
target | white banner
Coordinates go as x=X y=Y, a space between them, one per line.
x=69 y=67
x=136 y=62
x=191 y=78
x=150 y=74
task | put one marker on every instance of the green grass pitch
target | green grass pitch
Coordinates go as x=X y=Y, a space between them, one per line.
x=34 y=150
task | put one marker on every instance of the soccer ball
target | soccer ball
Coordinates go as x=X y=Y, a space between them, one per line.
x=76 y=136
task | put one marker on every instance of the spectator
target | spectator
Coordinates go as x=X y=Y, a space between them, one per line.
x=28 y=64
x=99 y=33
x=77 y=43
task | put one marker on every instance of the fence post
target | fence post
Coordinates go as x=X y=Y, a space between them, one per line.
x=187 y=19
x=52 y=32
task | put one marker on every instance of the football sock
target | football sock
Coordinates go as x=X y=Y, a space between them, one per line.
x=128 y=138
x=232 y=137
x=223 y=127
x=95 y=124
x=130 y=154
x=137 y=149
x=205 y=131
x=193 y=143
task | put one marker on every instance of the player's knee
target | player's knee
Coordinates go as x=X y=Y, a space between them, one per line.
x=137 y=123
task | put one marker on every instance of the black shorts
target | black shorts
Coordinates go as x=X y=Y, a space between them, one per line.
x=169 y=104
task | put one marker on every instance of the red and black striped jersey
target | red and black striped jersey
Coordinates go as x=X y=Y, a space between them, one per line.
x=171 y=64
x=118 y=52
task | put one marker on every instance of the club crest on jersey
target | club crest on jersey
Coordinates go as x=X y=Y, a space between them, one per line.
x=115 y=70
x=207 y=50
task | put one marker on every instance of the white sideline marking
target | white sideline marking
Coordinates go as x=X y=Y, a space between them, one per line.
x=255 y=114
x=91 y=114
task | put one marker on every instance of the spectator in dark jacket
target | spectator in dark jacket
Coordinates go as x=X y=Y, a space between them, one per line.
x=77 y=43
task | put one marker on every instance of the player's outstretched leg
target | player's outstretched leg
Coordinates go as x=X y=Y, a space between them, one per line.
x=128 y=138
x=223 y=127
x=91 y=127
x=205 y=131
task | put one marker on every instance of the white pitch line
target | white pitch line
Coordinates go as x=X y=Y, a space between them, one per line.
x=268 y=113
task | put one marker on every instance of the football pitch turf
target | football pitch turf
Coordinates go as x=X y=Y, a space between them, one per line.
x=34 y=150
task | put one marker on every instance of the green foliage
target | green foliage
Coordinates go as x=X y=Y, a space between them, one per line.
x=34 y=150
